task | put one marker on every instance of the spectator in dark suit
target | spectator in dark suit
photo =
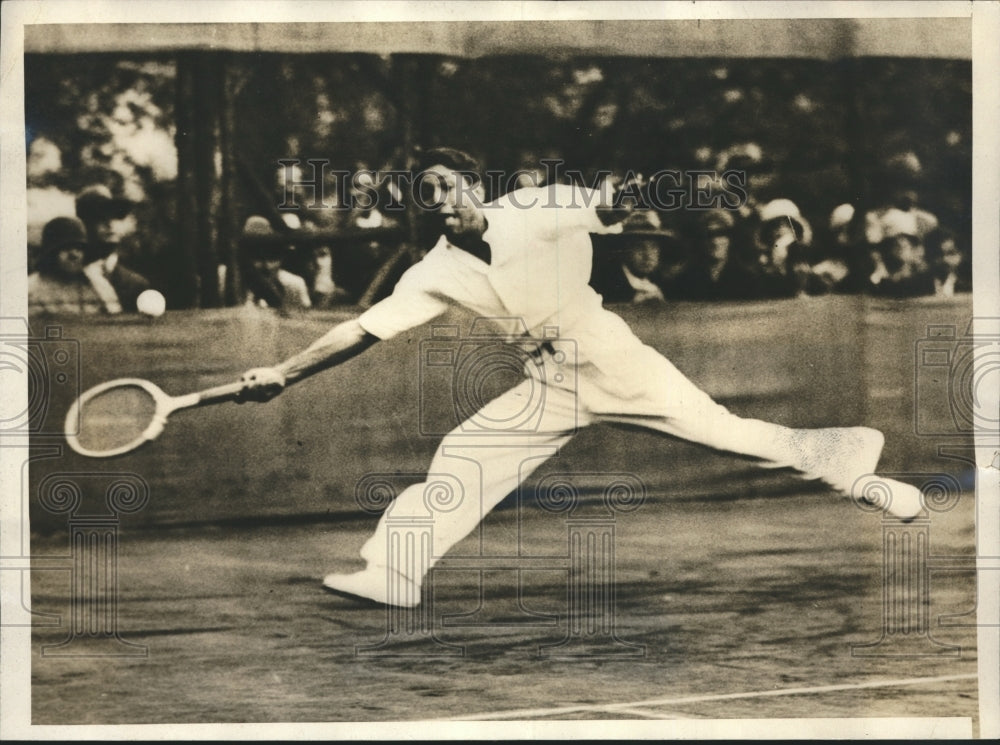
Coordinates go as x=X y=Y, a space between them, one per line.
x=713 y=272
x=264 y=251
x=837 y=255
x=640 y=264
x=105 y=219
x=903 y=271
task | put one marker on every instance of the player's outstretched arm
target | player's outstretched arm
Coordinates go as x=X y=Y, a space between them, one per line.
x=339 y=344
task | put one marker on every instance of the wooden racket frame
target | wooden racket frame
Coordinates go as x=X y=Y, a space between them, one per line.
x=165 y=406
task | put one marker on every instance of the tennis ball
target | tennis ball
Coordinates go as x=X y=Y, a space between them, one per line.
x=151 y=303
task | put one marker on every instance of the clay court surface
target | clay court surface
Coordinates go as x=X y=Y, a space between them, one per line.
x=738 y=593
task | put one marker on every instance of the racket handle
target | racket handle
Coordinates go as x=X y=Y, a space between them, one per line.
x=218 y=394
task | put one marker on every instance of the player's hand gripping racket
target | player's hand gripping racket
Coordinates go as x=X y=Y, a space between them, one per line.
x=121 y=415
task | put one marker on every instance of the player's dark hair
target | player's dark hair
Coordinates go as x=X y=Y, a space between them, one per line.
x=452 y=158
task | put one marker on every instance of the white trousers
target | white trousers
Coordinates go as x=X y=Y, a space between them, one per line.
x=484 y=459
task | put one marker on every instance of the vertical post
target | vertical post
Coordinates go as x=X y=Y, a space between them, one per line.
x=200 y=90
x=206 y=104
x=855 y=132
x=185 y=281
x=409 y=86
x=228 y=244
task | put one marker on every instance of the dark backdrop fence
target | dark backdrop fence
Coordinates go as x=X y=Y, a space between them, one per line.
x=830 y=361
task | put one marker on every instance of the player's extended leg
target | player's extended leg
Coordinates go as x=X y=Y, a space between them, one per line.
x=474 y=468
x=845 y=458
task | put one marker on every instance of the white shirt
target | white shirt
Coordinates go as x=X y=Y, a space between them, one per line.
x=541 y=261
x=97 y=272
x=540 y=252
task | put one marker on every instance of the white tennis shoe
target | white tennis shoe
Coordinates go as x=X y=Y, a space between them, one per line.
x=376 y=583
x=845 y=458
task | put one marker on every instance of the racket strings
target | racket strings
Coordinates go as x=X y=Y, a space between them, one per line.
x=115 y=418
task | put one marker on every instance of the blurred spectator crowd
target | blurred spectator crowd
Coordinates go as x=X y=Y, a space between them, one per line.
x=737 y=249
x=770 y=250
x=79 y=268
x=856 y=173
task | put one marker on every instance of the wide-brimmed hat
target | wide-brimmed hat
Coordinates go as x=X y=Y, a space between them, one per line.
x=788 y=210
x=97 y=203
x=645 y=224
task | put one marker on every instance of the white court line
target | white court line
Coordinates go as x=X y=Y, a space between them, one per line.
x=526 y=713
x=649 y=714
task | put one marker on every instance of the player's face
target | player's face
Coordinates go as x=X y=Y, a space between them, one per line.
x=460 y=203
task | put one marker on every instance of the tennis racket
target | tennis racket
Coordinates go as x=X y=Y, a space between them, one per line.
x=121 y=415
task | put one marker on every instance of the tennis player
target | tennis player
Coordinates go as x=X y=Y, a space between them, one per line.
x=527 y=257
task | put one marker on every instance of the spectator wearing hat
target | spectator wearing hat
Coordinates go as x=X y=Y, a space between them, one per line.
x=781 y=242
x=638 y=264
x=713 y=273
x=314 y=263
x=902 y=270
x=943 y=259
x=898 y=233
x=842 y=259
x=269 y=284
x=104 y=217
x=841 y=220
x=371 y=228
x=900 y=214
x=323 y=289
x=60 y=284
x=749 y=159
